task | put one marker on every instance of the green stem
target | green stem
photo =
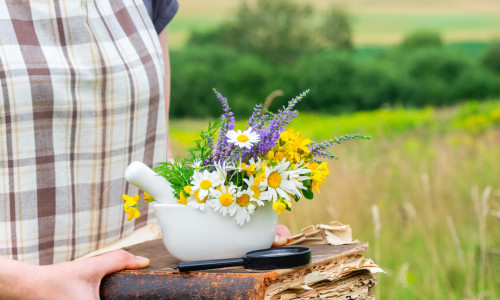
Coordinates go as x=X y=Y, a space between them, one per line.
x=139 y=204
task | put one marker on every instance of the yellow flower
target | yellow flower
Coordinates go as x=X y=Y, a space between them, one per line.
x=270 y=155
x=129 y=206
x=148 y=198
x=182 y=199
x=260 y=177
x=280 y=155
x=184 y=194
x=302 y=145
x=130 y=201
x=250 y=169
x=318 y=174
x=292 y=146
x=293 y=156
x=287 y=135
x=132 y=212
x=279 y=206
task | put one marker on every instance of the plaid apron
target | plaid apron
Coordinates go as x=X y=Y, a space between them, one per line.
x=81 y=97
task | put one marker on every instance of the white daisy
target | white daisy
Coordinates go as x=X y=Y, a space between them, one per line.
x=257 y=163
x=205 y=182
x=224 y=200
x=279 y=182
x=197 y=203
x=242 y=203
x=222 y=167
x=251 y=208
x=259 y=191
x=197 y=164
x=297 y=173
x=245 y=139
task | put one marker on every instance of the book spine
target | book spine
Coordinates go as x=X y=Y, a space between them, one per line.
x=190 y=285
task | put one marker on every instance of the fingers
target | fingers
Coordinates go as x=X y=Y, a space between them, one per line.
x=118 y=260
x=282 y=235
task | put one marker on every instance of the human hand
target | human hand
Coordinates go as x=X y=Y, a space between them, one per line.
x=282 y=235
x=72 y=280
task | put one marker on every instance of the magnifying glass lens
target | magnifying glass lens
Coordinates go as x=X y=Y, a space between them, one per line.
x=277 y=258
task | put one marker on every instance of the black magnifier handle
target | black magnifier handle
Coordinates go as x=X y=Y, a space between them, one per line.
x=186 y=266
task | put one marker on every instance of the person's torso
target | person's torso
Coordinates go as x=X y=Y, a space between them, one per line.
x=81 y=97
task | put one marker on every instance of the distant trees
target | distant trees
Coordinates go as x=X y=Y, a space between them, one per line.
x=280 y=30
x=491 y=57
x=421 y=39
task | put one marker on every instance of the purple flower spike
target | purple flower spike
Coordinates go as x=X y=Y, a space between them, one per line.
x=277 y=124
x=223 y=149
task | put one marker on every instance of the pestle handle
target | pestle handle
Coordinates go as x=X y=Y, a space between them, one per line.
x=147 y=180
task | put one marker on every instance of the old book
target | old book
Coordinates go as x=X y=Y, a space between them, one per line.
x=336 y=271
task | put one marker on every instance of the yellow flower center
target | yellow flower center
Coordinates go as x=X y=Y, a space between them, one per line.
x=226 y=199
x=242 y=138
x=243 y=200
x=256 y=192
x=274 y=180
x=206 y=184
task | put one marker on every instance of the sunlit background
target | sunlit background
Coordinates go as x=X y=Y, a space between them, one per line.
x=422 y=78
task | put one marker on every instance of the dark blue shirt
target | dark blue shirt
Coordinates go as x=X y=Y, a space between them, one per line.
x=161 y=12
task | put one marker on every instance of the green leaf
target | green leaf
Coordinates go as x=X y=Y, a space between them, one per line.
x=308 y=193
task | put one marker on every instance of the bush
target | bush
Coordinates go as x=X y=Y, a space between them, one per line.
x=329 y=75
x=375 y=85
x=198 y=70
x=476 y=83
x=491 y=57
x=428 y=74
x=421 y=39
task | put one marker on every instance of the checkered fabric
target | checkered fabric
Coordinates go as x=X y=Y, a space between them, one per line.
x=81 y=97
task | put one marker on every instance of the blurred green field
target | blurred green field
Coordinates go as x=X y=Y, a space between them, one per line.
x=374 y=22
x=433 y=176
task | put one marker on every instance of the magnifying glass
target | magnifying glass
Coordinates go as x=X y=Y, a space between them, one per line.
x=265 y=259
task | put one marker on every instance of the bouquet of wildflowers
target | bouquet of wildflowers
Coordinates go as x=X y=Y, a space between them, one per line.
x=234 y=172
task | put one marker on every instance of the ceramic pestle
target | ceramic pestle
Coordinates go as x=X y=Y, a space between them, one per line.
x=147 y=180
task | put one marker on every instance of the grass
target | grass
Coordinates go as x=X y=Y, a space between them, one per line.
x=375 y=22
x=435 y=183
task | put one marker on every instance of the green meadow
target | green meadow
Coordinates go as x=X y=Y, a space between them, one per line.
x=433 y=176
x=424 y=192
